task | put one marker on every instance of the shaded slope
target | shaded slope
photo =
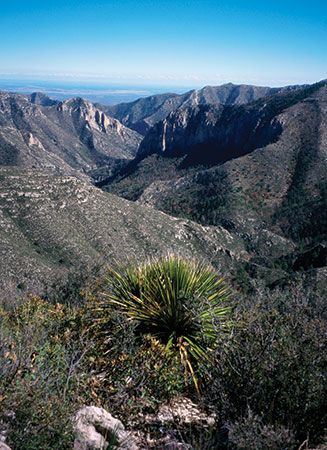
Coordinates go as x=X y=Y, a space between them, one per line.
x=276 y=176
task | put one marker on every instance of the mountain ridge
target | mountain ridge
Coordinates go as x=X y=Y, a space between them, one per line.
x=70 y=137
x=142 y=114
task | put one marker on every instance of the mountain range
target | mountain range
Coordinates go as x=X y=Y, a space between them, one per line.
x=235 y=175
x=260 y=161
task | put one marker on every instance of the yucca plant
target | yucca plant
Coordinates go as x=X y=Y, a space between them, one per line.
x=180 y=302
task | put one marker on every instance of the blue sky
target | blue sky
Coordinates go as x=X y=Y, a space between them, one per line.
x=165 y=42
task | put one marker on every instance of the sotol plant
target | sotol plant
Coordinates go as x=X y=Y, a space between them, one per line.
x=179 y=302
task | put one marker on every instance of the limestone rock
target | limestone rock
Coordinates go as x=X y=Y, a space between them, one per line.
x=183 y=411
x=3 y=446
x=95 y=428
x=142 y=114
x=72 y=137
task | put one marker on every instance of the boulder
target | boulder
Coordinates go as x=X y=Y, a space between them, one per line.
x=95 y=429
x=3 y=446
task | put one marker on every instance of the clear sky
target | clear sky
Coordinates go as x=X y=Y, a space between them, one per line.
x=166 y=42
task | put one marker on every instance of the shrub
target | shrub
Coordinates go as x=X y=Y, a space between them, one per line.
x=251 y=433
x=275 y=364
x=180 y=303
x=42 y=373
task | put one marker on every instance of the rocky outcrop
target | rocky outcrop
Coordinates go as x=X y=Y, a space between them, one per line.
x=96 y=429
x=3 y=446
x=182 y=410
x=69 y=137
x=180 y=413
x=211 y=134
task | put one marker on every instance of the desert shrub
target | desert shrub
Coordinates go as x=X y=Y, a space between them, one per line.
x=122 y=351
x=72 y=289
x=42 y=373
x=179 y=303
x=275 y=364
x=134 y=381
x=250 y=432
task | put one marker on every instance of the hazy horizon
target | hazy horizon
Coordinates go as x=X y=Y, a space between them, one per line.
x=97 y=92
x=105 y=92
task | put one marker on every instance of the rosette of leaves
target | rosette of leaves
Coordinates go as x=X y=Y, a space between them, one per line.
x=181 y=303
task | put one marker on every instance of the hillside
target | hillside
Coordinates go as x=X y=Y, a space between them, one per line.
x=252 y=175
x=69 y=137
x=52 y=225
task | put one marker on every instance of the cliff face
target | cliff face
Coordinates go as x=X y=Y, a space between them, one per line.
x=210 y=135
x=69 y=137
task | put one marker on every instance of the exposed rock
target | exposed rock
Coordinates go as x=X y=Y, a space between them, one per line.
x=214 y=133
x=95 y=428
x=69 y=137
x=273 y=155
x=3 y=446
x=39 y=98
x=182 y=410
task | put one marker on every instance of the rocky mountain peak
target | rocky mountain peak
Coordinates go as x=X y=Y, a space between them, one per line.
x=144 y=113
x=95 y=118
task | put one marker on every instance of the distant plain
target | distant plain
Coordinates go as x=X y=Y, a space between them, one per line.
x=105 y=93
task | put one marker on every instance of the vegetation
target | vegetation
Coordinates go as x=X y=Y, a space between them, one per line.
x=122 y=349
x=275 y=364
x=139 y=175
x=207 y=199
x=41 y=373
x=180 y=303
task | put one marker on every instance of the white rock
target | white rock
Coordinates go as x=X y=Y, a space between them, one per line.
x=3 y=446
x=94 y=427
x=182 y=410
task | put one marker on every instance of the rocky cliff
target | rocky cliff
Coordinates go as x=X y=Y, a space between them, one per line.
x=68 y=137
